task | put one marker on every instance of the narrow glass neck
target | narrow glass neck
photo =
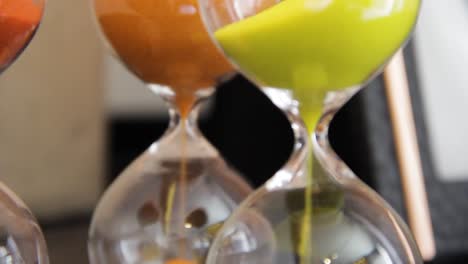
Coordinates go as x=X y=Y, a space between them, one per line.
x=189 y=120
x=183 y=137
x=183 y=108
x=323 y=152
x=312 y=156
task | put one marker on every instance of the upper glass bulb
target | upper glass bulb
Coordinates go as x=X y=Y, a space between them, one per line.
x=310 y=46
x=165 y=44
x=19 y=20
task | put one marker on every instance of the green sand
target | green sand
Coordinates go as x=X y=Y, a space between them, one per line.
x=315 y=46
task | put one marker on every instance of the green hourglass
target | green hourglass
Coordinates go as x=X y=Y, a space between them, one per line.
x=314 y=210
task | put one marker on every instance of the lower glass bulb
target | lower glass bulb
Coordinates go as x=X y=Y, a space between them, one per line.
x=21 y=239
x=314 y=210
x=167 y=206
x=345 y=227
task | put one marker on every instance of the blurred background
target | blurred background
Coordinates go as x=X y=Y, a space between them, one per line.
x=72 y=118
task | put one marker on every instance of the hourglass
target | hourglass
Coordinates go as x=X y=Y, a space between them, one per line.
x=168 y=204
x=314 y=210
x=21 y=239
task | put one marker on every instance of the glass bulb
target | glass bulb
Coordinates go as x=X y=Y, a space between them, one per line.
x=310 y=46
x=168 y=204
x=20 y=20
x=330 y=217
x=21 y=239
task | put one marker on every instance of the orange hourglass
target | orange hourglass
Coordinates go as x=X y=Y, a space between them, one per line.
x=168 y=204
x=21 y=239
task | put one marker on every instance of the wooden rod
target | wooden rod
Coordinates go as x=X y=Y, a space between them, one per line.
x=412 y=178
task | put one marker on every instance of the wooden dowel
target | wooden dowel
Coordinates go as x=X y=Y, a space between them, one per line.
x=412 y=179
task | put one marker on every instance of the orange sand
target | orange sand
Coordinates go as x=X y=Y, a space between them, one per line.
x=163 y=42
x=180 y=261
x=18 y=20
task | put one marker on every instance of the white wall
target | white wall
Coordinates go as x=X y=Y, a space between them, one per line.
x=126 y=96
x=442 y=54
x=52 y=115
